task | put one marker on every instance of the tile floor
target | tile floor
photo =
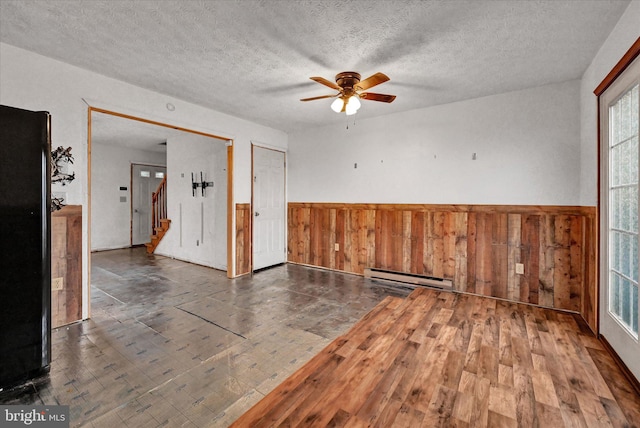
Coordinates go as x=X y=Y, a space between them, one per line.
x=175 y=344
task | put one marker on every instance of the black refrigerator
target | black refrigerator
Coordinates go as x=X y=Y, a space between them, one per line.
x=25 y=245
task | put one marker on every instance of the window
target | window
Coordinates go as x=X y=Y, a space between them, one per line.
x=623 y=210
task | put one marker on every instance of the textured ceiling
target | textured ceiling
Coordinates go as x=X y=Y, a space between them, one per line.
x=253 y=58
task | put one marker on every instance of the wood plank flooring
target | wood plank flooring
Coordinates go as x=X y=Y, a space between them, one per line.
x=444 y=359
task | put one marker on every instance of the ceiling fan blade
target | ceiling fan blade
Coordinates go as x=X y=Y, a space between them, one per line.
x=377 y=97
x=319 y=98
x=371 y=81
x=326 y=82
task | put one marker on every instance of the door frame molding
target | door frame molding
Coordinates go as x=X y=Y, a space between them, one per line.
x=632 y=53
x=254 y=145
x=229 y=142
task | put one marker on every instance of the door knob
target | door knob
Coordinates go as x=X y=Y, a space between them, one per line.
x=257 y=213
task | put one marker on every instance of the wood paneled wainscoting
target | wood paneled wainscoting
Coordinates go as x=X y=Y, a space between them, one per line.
x=66 y=265
x=243 y=239
x=475 y=246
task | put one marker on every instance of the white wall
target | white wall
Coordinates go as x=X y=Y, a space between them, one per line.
x=198 y=224
x=625 y=33
x=527 y=144
x=35 y=82
x=111 y=169
x=219 y=196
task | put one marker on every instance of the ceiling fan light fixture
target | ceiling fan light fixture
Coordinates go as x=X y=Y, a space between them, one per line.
x=337 y=105
x=349 y=87
x=353 y=104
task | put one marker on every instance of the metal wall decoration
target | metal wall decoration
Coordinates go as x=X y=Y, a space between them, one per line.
x=60 y=158
x=202 y=184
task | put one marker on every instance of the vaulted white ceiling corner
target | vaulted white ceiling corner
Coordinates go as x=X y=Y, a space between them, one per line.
x=253 y=58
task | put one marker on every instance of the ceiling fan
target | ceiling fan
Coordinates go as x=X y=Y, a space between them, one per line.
x=350 y=87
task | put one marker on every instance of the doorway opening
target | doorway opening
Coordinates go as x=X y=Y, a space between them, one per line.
x=169 y=141
x=619 y=203
x=145 y=180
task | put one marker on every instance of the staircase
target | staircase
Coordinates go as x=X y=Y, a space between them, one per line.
x=159 y=221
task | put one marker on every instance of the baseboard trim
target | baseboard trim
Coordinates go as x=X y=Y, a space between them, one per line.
x=625 y=370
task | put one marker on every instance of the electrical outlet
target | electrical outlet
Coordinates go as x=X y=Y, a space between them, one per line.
x=520 y=268
x=57 y=284
x=336 y=246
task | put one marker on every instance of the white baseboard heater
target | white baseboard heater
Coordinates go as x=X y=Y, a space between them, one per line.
x=408 y=279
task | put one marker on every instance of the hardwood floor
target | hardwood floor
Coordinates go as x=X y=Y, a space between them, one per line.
x=444 y=359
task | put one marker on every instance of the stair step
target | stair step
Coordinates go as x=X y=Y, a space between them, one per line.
x=158 y=234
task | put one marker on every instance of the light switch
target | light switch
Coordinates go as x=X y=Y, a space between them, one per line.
x=520 y=268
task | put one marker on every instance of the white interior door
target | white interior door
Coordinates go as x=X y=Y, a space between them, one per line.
x=144 y=181
x=268 y=207
x=619 y=122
